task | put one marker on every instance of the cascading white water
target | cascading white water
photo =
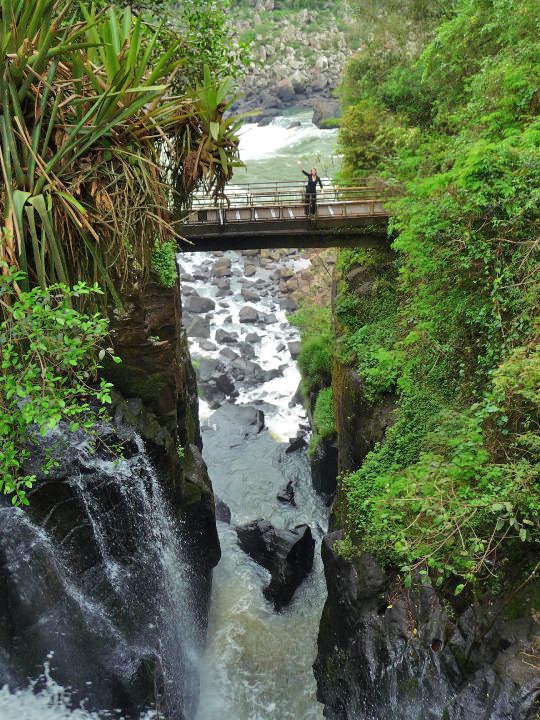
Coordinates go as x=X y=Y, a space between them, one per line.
x=258 y=662
x=271 y=151
x=134 y=608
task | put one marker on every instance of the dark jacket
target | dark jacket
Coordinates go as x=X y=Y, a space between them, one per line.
x=311 y=186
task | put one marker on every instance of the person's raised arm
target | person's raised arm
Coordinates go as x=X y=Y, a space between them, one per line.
x=299 y=162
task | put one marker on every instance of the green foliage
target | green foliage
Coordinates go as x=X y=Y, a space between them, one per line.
x=88 y=114
x=164 y=264
x=454 y=122
x=449 y=513
x=50 y=355
x=315 y=358
x=324 y=421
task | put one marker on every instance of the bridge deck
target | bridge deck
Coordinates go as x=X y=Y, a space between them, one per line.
x=271 y=218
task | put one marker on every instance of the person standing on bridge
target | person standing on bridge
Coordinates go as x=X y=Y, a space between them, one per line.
x=311 y=189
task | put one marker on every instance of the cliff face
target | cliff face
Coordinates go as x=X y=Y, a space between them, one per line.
x=385 y=650
x=159 y=398
x=108 y=572
x=389 y=652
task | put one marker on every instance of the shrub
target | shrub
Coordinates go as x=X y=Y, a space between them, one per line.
x=324 y=421
x=50 y=357
x=315 y=358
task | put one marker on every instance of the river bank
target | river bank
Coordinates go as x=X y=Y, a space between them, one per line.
x=298 y=56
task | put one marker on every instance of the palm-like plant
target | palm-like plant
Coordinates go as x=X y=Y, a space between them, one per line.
x=85 y=112
x=209 y=145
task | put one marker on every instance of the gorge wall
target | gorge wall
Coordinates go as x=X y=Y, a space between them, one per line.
x=298 y=56
x=383 y=646
x=106 y=576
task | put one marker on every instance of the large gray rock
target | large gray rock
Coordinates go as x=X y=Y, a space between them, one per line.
x=197 y=304
x=286 y=554
x=199 y=328
x=224 y=337
x=248 y=314
x=385 y=653
x=285 y=90
x=325 y=110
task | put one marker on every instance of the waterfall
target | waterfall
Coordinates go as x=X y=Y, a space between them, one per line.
x=99 y=597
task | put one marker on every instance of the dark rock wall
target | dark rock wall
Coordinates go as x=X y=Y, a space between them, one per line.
x=158 y=396
x=110 y=566
x=387 y=652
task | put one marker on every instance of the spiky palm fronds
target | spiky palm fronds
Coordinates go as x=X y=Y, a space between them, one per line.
x=85 y=113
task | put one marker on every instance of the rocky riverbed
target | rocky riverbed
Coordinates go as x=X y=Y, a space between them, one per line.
x=297 y=58
x=269 y=586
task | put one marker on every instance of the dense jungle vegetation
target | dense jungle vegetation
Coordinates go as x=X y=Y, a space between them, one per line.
x=442 y=105
x=109 y=119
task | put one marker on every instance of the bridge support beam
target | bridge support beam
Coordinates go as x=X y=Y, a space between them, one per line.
x=366 y=232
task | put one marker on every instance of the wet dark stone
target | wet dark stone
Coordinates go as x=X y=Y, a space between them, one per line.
x=199 y=328
x=286 y=554
x=223 y=511
x=294 y=348
x=224 y=383
x=288 y=304
x=324 y=468
x=250 y=296
x=246 y=350
x=222 y=336
x=208 y=345
x=297 y=444
x=379 y=651
x=228 y=353
x=286 y=495
x=253 y=337
x=248 y=314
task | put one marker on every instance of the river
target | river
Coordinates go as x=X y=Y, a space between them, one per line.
x=258 y=662
x=257 y=665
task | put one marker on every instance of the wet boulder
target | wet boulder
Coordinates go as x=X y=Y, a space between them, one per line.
x=253 y=338
x=224 y=383
x=208 y=345
x=250 y=295
x=222 y=268
x=297 y=443
x=223 y=511
x=224 y=337
x=248 y=314
x=246 y=350
x=288 y=304
x=228 y=353
x=199 y=328
x=249 y=270
x=286 y=494
x=294 y=349
x=197 y=304
x=286 y=554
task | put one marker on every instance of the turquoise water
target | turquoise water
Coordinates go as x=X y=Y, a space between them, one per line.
x=270 y=152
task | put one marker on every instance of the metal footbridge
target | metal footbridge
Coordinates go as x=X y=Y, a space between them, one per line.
x=274 y=215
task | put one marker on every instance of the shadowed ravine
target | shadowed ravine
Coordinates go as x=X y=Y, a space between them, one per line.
x=258 y=662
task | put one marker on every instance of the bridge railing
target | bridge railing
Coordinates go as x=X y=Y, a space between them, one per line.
x=286 y=196
x=290 y=212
